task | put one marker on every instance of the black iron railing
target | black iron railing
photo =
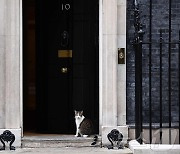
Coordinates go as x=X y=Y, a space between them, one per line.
x=163 y=46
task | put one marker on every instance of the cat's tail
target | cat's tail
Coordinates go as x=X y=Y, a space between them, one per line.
x=95 y=140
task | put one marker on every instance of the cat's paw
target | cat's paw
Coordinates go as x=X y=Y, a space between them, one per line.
x=76 y=135
x=85 y=135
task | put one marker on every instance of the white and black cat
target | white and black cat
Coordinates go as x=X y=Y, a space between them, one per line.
x=84 y=126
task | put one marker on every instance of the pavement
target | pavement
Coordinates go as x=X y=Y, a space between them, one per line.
x=67 y=150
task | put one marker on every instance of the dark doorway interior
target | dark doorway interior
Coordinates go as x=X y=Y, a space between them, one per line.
x=29 y=66
x=60 y=64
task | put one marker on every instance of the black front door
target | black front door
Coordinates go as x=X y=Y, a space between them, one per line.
x=67 y=63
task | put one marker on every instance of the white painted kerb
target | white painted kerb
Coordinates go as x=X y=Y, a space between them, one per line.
x=137 y=148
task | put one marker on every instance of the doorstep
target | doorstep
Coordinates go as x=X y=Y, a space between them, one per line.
x=57 y=140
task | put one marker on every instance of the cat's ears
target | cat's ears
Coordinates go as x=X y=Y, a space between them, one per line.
x=75 y=111
x=81 y=112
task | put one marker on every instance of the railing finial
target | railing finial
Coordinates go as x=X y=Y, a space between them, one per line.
x=137 y=24
x=135 y=3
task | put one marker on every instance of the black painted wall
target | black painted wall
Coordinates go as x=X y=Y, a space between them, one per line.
x=160 y=20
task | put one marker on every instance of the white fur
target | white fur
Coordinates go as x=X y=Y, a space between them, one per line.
x=85 y=136
x=78 y=120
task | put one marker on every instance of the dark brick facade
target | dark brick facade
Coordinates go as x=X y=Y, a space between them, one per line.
x=160 y=20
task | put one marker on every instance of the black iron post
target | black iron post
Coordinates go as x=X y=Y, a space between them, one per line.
x=170 y=71
x=179 y=86
x=160 y=56
x=138 y=72
x=150 y=72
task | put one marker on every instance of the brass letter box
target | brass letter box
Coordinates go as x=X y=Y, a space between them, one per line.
x=64 y=53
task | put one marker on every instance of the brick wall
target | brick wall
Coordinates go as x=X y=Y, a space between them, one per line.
x=160 y=20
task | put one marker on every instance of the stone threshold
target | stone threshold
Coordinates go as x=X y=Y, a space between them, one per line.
x=57 y=140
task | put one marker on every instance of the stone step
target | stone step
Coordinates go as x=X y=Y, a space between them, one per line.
x=53 y=141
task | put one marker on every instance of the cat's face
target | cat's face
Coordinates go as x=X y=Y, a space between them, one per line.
x=78 y=114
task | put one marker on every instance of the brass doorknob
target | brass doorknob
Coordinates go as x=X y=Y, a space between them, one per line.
x=64 y=69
